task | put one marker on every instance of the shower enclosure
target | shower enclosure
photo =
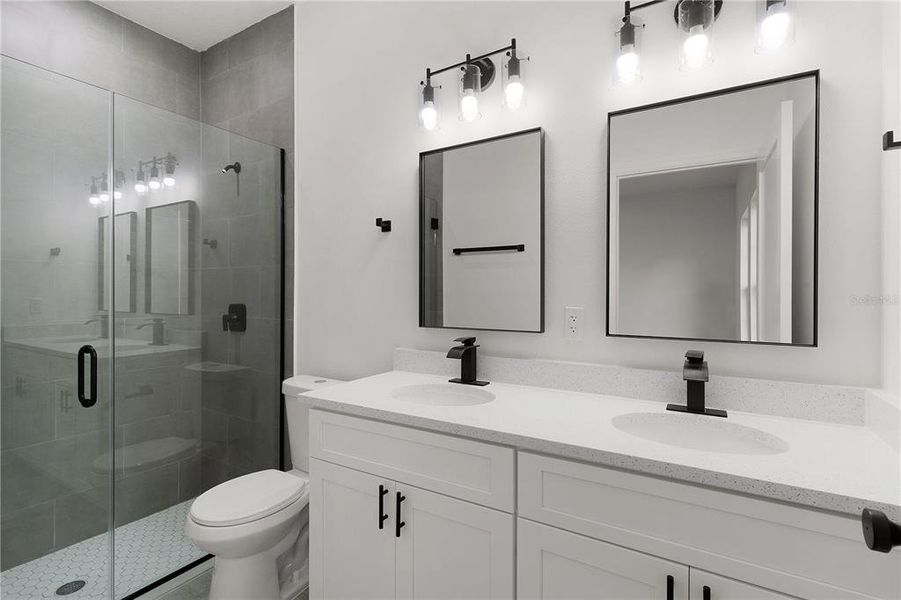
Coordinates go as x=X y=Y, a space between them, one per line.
x=141 y=301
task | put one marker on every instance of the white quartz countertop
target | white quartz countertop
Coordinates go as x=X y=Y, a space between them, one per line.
x=828 y=466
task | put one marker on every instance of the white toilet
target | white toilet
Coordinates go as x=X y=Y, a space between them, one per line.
x=253 y=523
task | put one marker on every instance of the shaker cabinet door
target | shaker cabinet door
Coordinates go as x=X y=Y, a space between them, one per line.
x=351 y=558
x=553 y=564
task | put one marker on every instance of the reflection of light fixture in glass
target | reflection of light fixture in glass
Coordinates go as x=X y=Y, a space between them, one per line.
x=169 y=171
x=470 y=86
x=776 y=26
x=428 y=110
x=695 y=18
x=104 y=189
x=154 y=182
x=94 y=198
x=140 y=184
x=514 y=90
x=628 y=61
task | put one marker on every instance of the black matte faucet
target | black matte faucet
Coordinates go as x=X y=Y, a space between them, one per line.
x=695 y=374
x=157 y=331
x=466 y=354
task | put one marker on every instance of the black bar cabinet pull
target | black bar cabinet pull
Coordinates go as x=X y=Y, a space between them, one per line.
x=670 y=587
x=383 y=491
x=516 y=247
x=87 y=401
x=398 y=524
x=706 y=592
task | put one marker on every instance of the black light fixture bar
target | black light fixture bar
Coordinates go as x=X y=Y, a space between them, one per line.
x=629 y=8
x=471 y=59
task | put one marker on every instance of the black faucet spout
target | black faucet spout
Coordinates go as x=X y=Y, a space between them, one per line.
x=466 y=354
x=695 y=374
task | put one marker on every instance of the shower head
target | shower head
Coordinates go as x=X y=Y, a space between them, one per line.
x=236 y=167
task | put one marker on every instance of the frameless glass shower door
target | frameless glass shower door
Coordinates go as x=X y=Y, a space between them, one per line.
x=154 y=243
x=55 y=458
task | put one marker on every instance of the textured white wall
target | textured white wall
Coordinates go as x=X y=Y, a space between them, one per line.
x=358 y=66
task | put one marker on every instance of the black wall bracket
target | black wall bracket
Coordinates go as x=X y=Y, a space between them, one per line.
x=888 y=141
x=383 y=224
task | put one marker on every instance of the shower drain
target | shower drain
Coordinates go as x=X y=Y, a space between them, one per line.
x=70 y=588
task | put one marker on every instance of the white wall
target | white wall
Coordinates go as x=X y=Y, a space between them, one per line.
x=358 y=145
x=891 y=196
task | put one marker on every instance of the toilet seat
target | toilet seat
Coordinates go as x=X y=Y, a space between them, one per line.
x=248 y=498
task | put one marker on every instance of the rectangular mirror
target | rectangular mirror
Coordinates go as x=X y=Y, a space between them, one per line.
x=712 y=216
x=170 y=264
x=126 y=265
x=481 y=234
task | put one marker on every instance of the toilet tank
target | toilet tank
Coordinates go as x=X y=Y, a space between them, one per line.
x=298 y=417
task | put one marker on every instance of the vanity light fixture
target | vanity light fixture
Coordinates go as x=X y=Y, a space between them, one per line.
x=154 y=184
x=514 y=89
x=140 y=183
x=470 y=88
x=694 y=18
x=428 y=110
x=104 y=189
x=628 y=59
x=477 y=74
x=169 y=167
x=776 y=28
x=94 y=198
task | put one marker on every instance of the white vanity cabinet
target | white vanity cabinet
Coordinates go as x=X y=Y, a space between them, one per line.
x=553 y=564
x=467 y=519
x=382 y=534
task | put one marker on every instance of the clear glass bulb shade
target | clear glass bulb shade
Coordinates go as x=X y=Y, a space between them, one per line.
x=696 y=48
x=94 y=199
x=154 y=183
x=469 y=106
x=776 y=29
x=104 y=196
x=627 y=64
x=514 y=92
x=428 y=116
x=140 y=187
x=169 y=181
x=117 y=195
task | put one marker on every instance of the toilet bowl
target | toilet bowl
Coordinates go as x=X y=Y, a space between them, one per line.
x=247 y=523
x=252 y=524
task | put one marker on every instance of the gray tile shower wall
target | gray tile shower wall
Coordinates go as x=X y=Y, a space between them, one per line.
x=248 y=88
x=87 y=42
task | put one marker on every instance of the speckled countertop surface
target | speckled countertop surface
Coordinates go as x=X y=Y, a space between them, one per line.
x=828 y=466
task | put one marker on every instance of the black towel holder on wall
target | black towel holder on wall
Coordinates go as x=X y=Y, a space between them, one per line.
x=510 y=247
x=383 y=224
x=888 y=141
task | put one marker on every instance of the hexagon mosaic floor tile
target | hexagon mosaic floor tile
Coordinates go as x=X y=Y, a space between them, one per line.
x=146 y=550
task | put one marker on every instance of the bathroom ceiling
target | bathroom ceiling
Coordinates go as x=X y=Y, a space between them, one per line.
x=198 y=24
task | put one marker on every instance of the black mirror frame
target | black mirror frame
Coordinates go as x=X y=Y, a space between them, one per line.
x=815 y=74
x=422 y=156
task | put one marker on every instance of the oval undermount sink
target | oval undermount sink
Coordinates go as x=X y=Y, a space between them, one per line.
x=697 y=432
x=443 y=394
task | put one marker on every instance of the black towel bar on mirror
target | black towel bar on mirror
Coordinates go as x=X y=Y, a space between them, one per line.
x=514 y=247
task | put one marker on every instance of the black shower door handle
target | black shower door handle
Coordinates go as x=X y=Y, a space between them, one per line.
x=87 y=401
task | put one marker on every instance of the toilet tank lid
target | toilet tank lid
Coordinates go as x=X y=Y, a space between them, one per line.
x=299 y=384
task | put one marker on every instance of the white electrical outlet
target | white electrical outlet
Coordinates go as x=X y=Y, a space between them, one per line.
x=573 y=321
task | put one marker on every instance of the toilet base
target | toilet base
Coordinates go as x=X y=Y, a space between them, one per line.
x=242 y=578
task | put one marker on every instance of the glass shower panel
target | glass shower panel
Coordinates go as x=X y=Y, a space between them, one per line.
x=55 y=458
x=158 y=424
x=241 y=265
